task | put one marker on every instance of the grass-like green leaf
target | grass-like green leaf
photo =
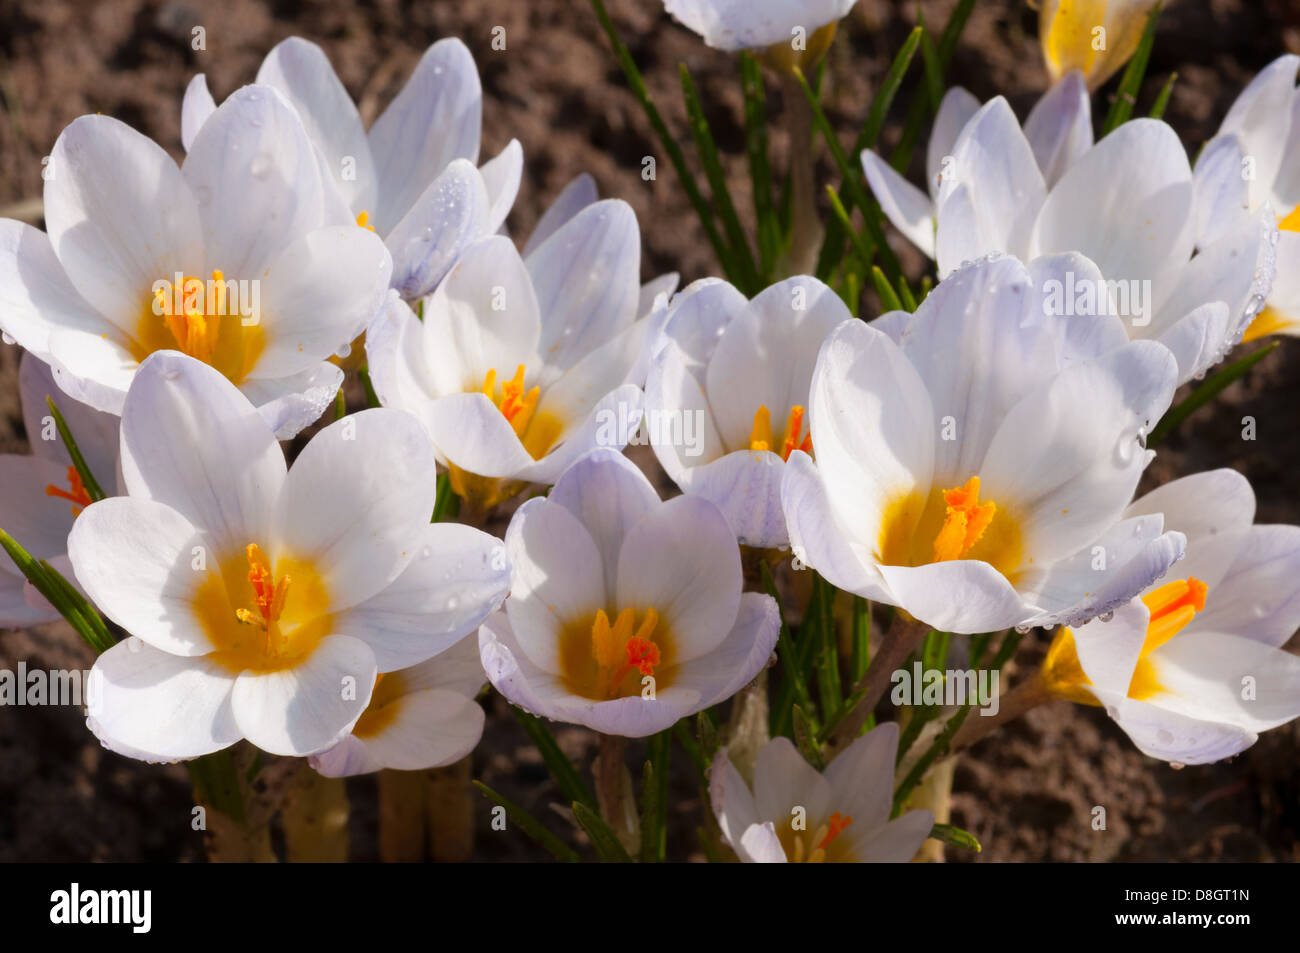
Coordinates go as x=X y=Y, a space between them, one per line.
x=61 y=594
x=1162 y=101
x=793 y=688
x=770 y=238
x=531 y=826
x=654 y=800
x=603 y=839
x=562 y=770
x=955 y=837
x=1131 y=84
x=93 y=489
x=1210 y=388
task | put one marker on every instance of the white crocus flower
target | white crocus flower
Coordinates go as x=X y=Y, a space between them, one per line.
x=726 y=395
x=802 y=25
x=1095 y=37
x=795 y=814
x=522 y=364
x=420 y=717
x=626 y=612
x=975 y=473
x=413 y=178
x=1252 y=163
x=43 y=493
x=262 y=601
x=228 y=258
x=1194 y=669
x=1126 y=203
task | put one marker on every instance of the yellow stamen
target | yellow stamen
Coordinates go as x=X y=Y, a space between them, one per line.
x=362 y=218
x=515 y=404
x=761 y=437
x=612 y=652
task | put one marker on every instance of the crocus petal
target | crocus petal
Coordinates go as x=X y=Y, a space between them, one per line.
x=319 y=294
x=608 y=495
x=226 y=482
x=907 y=207
x=559 y=578
x=1222 y=192
x=502 y=175
x=963 y=595
x=1257 y=598
x=1059 y=127
x=148 y=703
x=1254 y=116
x=746 y=651
x=301 y=71
x=955 y=110
x=38 y=521
x=681 y=559
x=435 y=119
x=783 y=781
x=732 y=801
x=355 y=502
x=459 y=575
x=675 y=401
x=450 y=213
x=304 y=709
x=35 y=294
x=572 y=199
x=896 y=842
x=1172 y=736
x=587 y=278
x=426 y=729
x=1215 y=676
x=102 y=215
x=196 y=106
x=746 y=487
x=861 y=776
x=741 y=25
x=98 y=435
x=136 y=560
x=291 y=404
x=1202 y=504
x=254 y=175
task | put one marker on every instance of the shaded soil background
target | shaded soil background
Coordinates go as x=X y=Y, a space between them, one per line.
x=1028 y=794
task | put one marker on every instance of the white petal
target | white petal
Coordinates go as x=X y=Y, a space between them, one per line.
x=226 y=482
x=746 y=651
x=36 y=296
x=150 y=704
x=559 y=578
x=119 y=215
x=301 y=71
x=587 y=278
x=783 y=780
x=1174 y=737
x=862 y=776
x=428 y=729
x=1198 y=339
x=356 y=502
x=196 y=106
x=907 y=207
x=898 y=841
x=459 y=575
x=681 y=560
x=1204 y=674
x=964 y=595
x=318 y=295
x=608 y=495
x=38 y=521
x=291 y=404
x=135 y=559
x=1202 y=504
x=450 y=213
x=574 y=197
x=434 y=119
x=1255 y=116
x=675 y=401
x=737 y=26
x=98 y=435
x=256 y=181
x=732 y=801
x=746 y=487
x=1258 y=598
x=1059 y=127
x=955 y=110
x=307 y=708
x=1222 y=192
x=502 y=175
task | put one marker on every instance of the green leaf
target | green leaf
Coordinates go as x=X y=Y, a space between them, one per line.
x=888 y=296
x=852 y=177
x=88 y=480
x=1162 y=101
x=1126 y=96
x=692 y=749
x=713 y=171
x=654 y=800
x=603 y=839
x=861 y=656
x=531 y=826
x=340 y=405
x=905 y=293
x=217 y=779
x=828 y=654
x=562 y=770
x=922 y=107
x=61 y=594
x=793 y=688
x=1210 y=388
x=955 y=837
x=805 y=736
x=760 y=170
x=372 y=399
x=642 y=93
x=446 y=504
x=864 y=251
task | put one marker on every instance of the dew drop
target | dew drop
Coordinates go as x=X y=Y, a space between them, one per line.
x=1164 y=737
x=261 y=165
x=7 y=338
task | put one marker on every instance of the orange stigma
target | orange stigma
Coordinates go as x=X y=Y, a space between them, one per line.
x=196 y=324
x=617 y=643
x=515 y=404
x=268 y=595
x=965 y=522
x=834 y=828
x=75 y=494
x=762 y=438
x=1172 y=607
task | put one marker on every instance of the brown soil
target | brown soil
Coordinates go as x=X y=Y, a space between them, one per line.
x=1028 y=794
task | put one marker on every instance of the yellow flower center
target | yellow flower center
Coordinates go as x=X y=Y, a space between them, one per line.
x=762 y=438
x=1270 y=321
x=783 y=57
x=75 y=493
x=918 y=529
x=383 y=707
x=604 y=660
x=823 y=846
x=1172 y=607
x=263 y=618
x=202 y=320
x=518 y=405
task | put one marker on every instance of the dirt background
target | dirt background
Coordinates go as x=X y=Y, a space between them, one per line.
x=1028 y=795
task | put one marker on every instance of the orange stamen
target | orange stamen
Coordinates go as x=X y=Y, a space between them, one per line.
x=75 y=494
x=835 y=827
x=1172 y=607
x=515 y=404
x=762 y=438
x=965 y=521
x=609 y=643
x=268 y=595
